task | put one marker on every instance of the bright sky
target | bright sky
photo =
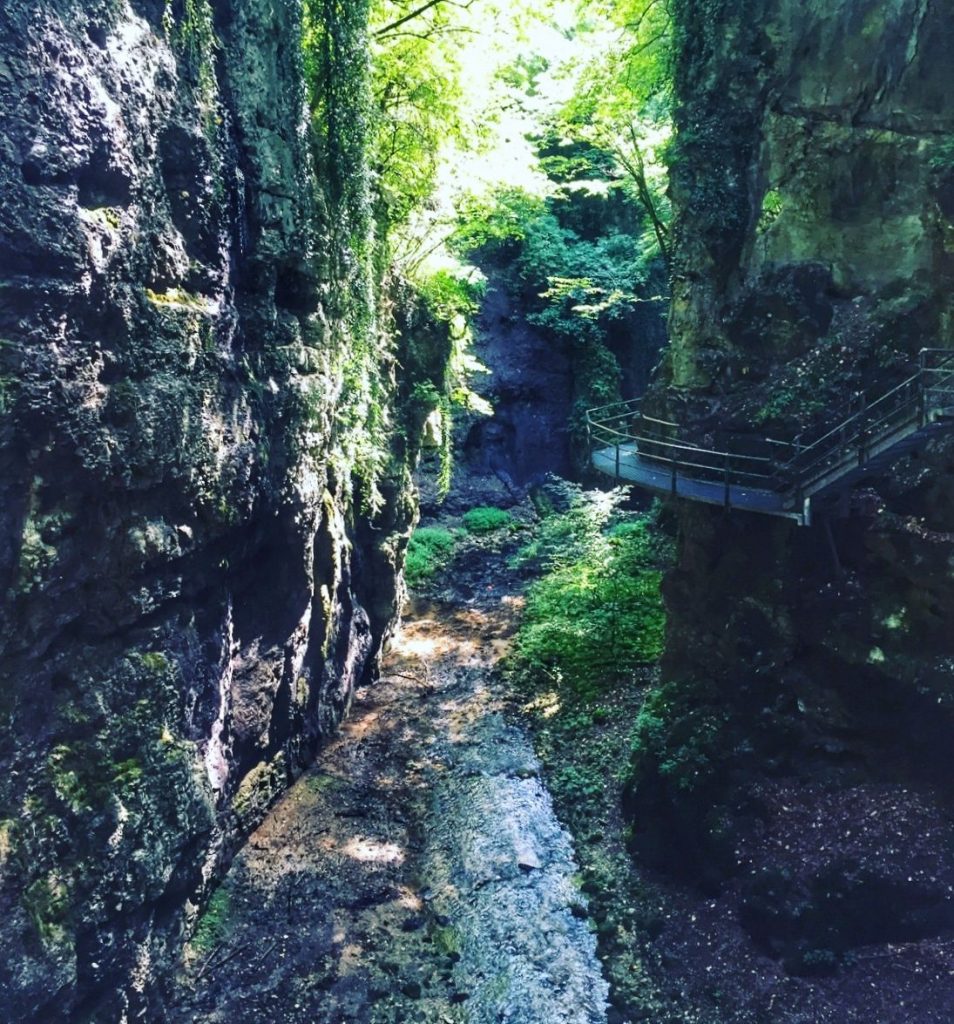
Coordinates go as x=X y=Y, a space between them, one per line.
x=510 y=159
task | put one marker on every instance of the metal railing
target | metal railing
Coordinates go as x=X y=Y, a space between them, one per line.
x=794 y=469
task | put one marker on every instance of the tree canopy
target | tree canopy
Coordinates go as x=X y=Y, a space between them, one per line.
x=450 y=130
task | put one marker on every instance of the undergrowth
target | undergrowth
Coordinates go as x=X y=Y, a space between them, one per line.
x=486 y=519
x=213 y=925
x=584 y=658
x=595 y=615
x=429 y=551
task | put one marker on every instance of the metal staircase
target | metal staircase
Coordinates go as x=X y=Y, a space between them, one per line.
x=779 y=478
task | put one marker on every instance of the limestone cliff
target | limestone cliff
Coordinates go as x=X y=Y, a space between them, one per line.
x=813 y=183
x=190 y=586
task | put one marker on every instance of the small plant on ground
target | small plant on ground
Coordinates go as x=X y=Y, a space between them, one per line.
x=486 y=519
x=430 y=550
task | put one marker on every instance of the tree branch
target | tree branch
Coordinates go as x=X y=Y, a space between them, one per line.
x=417 y=12
x=635 y=26
x=636 y=168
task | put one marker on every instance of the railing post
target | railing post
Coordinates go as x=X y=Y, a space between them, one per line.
x=673 y=467
x=922 y=390
x=728 y=499
x=618 y=477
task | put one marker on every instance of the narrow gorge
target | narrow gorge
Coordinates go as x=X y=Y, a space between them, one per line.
x=350 y=670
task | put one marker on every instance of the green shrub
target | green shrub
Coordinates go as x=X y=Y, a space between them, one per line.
x=429 y=550
x=597 y=613
x=592 y=621
x=681 y=735
x=486 y=519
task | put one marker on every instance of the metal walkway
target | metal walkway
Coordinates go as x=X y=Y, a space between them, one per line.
x=778 y=478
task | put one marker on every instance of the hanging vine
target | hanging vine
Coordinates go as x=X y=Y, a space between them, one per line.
x=338 y=76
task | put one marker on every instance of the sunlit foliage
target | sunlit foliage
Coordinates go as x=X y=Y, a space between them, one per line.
x=430 y=548
x=596 y=613
x=486 y=519
x=338 y=77
x=445 y=126
x=418 y=101
x=622 y=103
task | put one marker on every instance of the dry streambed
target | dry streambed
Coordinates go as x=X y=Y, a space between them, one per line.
x=417 y=873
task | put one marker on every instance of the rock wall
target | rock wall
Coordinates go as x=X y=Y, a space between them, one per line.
x=189 y=589
x=812 y=182
x=529 y=385
x=813 y=186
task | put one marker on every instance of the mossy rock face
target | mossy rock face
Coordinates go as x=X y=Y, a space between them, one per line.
x=181 y=620
x=791 y=154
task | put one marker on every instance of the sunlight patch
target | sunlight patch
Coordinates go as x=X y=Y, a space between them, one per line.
x=369 y=851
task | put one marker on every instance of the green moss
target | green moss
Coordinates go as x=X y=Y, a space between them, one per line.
x=772 y=206
x=683 y=737
x=259 y=788
x=177 y=298
x=942 y=155
x=321 y=782
x=36 y=557
x=213 y=924
x=47 y=904
x=800 y=402
x=189 y=26
x=226 y=512
x=8 y=829
x=327 y=612
x=42 y=529
x=108 y=216
x=127 y=773
x=109 y=747
x=67 y=772
x=446 y=940
x=429 y=550
x=486 y=519
x=154 y=661
x=597 y=613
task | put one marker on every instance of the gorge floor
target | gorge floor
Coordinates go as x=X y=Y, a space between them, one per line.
x=417 y=872
x=420 y=871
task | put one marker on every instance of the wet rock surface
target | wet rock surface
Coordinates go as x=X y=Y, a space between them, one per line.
x=531 y=389
x=418 y=872
x=529 y=383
